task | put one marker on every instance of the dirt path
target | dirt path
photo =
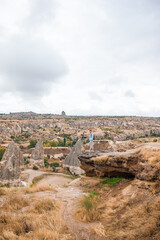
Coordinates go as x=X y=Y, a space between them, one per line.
x=69 y=198
x=68 y=194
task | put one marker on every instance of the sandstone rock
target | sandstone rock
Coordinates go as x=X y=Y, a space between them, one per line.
x=37 y=156
x=72 y=162
x=38 y=152
x=142 y=162
x=12 y=162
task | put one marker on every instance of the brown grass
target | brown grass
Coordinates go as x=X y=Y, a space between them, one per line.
x=133 y=213
x=14 y=202
x=39 y=188
x=45 y=205
x=41 y=221
x=89 y=209
x=2 y=192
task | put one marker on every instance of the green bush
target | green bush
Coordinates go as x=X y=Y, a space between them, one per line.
x=53 y=143
x=35 y=167
x=2 y=150
x=111 y=181
x=46 y=164
x=55 y=164
x=26 y=161
x=33 y=143
x=154 y=140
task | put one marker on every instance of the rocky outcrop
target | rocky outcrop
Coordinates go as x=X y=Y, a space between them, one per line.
x=142 y=162
x=72 y=162
x=11 y=164
x=37 y=156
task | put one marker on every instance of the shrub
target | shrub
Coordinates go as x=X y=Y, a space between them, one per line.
x=26 y=161
x=35 y=167
x=2 y=192
x=111 y=181
x=55 y=164
x=46 y=164
x=154 y=140
x=88 y=210
x=32 y=143
x=2 y=150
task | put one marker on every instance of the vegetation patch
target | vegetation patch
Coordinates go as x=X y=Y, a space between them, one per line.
x=111 y=181
x=39 y=188
x=26 y=161
x=14 y=202
x=89 y=209
x=2 y=191
x=45 y=205
x=2 y=151
x=32 y=143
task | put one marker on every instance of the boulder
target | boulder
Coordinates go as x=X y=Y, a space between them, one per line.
x=142 y=163
x=12 y=163
x=72 y=162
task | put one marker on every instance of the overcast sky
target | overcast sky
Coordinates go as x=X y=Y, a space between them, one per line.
x=86 y=57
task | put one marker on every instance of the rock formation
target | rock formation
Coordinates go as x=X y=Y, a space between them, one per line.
x=11 y=163
x=142 y=162
x=37 y=155
x=72 y=162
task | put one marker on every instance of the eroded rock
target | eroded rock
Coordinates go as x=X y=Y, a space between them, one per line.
x=11 y=164
x=37 y=156
x=142 y=162
x=72 y=162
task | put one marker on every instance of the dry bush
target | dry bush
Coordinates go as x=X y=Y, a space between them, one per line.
x=99 y=230
x=39 y=188
x=89 y=209
x=15 y=202
x=44 y=205
x=2 y=191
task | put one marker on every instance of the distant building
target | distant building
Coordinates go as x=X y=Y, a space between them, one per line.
x=63 y=113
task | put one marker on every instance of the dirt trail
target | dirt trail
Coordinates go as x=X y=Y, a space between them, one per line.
x=68 y=194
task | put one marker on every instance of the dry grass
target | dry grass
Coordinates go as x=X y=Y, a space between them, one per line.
x=14 y=202
x=124 y=219
x=41 y=221
x=125 y=212
x=89 y=209
x=44 y=205
x=2 y=192
x=39 y=188
x=99 y=230
x=33 y=226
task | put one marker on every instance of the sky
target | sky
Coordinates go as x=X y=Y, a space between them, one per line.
x=86 y=57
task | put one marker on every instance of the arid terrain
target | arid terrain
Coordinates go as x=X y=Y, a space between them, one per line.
x=52 y=187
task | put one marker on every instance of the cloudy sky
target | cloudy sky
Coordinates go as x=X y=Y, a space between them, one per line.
x=87 y=57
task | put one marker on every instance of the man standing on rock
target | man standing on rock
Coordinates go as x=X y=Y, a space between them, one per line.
x=91 y=136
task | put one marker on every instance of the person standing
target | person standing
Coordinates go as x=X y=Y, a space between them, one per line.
x=91 y=136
